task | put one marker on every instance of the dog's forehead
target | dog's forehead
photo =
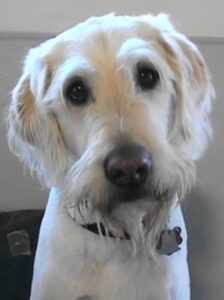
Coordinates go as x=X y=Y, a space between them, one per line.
x=112 y=26
x=107 y=33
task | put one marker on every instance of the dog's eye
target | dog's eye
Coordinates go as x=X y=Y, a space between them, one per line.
x=147 y=77
x=77 y=92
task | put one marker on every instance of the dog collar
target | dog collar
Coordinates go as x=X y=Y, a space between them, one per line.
x=100 y=229
x=168 y=242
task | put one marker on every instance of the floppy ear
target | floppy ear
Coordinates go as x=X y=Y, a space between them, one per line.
x=193 y=89
x=33 y=131
x=195 y=94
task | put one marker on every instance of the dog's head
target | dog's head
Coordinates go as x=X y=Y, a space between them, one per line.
x=115 y=112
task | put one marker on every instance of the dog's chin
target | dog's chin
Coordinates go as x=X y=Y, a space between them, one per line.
x=133 y=211
x=136 y=212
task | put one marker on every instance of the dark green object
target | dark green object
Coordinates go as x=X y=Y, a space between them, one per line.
x=18 y=240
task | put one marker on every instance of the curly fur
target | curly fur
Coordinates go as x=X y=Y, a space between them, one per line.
x=65 y=145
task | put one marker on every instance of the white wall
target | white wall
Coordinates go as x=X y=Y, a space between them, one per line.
x=194 y=17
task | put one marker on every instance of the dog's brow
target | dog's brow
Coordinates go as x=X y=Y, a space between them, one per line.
x=131 y=45
x=78 y=67
x=76 y=64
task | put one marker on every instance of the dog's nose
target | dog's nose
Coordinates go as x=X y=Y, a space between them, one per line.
x=128 y=166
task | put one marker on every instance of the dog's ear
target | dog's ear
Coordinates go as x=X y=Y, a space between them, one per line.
x=195 y=95
x=33 y=131
x=193 y=88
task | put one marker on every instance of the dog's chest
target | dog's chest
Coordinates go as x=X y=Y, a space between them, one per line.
x=74 y=264
x=106 y=271
x=137 y=279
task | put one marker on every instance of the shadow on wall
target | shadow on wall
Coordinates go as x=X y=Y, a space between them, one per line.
x=202 y=240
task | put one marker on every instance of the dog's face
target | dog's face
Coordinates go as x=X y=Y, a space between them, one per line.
x=114 y=111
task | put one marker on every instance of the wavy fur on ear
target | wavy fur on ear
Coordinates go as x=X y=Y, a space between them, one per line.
x=196 y=93
x=33 y=131
x=194 y=90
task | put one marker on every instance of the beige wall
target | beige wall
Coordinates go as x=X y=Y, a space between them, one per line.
x=194 y=17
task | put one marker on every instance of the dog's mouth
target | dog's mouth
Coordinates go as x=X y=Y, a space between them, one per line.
x=132 y=195
x=131 y=212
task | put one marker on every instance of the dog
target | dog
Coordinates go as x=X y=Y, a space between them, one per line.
x=112 y=115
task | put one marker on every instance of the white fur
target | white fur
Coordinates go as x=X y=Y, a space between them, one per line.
x=66 y=146
x=72 y=262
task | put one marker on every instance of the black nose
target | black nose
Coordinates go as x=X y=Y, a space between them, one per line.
x=128 y=166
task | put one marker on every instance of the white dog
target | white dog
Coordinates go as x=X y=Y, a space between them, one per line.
x=112 y=115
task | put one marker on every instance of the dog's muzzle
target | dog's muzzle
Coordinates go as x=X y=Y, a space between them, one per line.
x=128 y=167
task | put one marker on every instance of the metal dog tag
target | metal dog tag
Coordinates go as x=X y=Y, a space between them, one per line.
x=169 y=241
